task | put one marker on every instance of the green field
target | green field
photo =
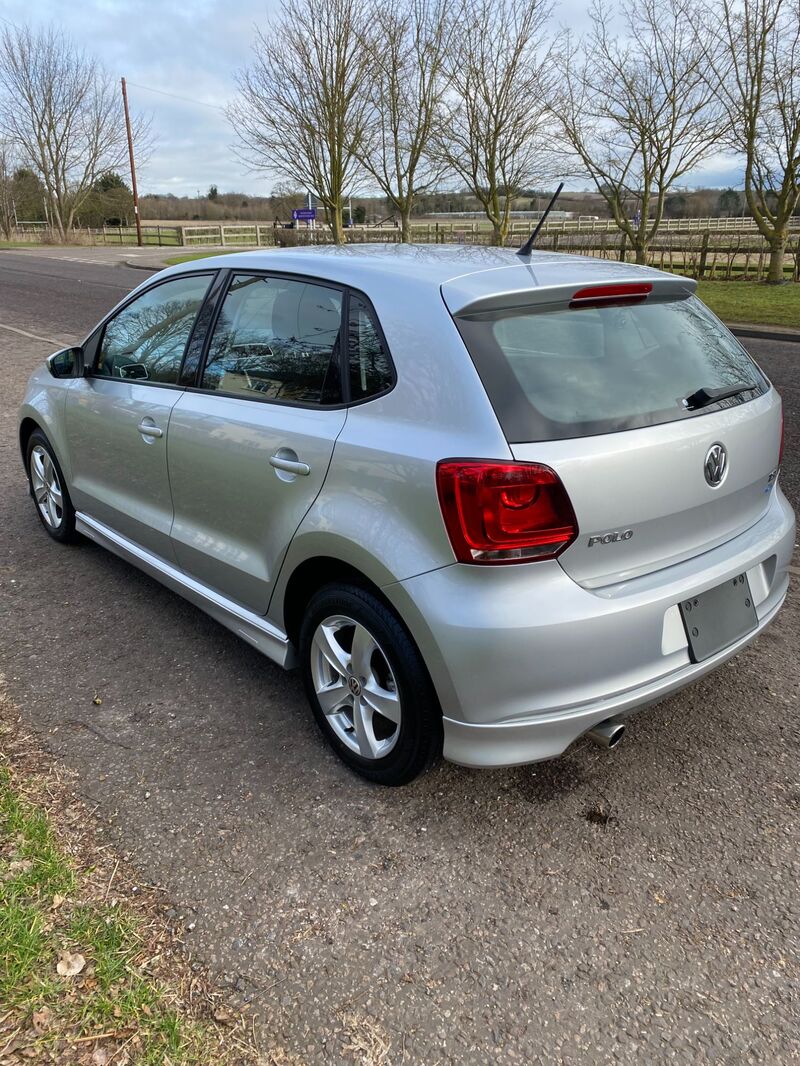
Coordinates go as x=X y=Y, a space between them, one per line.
x=753 y=302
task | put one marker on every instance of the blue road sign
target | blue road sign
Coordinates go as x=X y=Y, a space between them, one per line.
x=304 y=214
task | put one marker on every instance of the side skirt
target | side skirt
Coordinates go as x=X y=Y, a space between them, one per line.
x=251 y=627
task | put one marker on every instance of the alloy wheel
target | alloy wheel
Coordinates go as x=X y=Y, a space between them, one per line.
x=355 y=686
x=46 y=487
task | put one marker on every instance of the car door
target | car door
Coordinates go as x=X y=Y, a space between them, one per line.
x=249 y=448
x=117 y=417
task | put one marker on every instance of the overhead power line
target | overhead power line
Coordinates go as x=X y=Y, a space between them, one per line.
x=147 y=88
x=175 y=96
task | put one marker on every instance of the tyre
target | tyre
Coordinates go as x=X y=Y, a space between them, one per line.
x=49 y=489
x=368 y=686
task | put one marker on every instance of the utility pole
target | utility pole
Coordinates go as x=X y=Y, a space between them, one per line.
x=133 y=166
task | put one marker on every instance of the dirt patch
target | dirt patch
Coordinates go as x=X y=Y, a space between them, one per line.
x=94 y=969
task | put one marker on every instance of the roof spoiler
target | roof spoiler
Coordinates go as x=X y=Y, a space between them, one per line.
x=463 y=296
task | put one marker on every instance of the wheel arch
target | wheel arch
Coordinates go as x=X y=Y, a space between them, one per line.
x=44 y=409
x=313 y=574
x=298 y=584
x=26 y=428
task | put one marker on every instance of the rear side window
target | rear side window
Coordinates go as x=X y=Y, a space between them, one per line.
x=552 y=375
x=277 y=338
x=370 y=366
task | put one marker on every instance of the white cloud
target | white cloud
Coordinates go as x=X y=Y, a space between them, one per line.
x=193 y=50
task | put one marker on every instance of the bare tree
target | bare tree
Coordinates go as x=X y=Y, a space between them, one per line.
x=7 y=219
x=407 y=45
x=63 y=115
x=638 y=111
x=494 y=132
x=759 y=79
x=302 y=106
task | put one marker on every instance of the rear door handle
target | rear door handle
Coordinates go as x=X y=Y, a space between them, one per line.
x=291 y=466
x=147 y=429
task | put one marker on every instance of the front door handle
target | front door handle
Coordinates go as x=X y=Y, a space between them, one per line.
x=291 y=466
x=148 y=429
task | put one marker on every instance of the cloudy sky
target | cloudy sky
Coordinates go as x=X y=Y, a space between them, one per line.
x=192 y=49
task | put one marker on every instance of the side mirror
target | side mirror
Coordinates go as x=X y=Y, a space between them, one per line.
x=68 y=363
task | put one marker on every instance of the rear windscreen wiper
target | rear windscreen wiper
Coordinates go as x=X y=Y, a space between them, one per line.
x=704 y=397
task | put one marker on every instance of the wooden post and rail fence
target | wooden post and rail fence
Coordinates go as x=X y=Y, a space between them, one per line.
x=703 y=247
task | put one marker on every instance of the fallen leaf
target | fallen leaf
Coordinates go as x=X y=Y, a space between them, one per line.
x=16 y=867
x=57 y=901
x=223 y=1016
x=69 y=965
x=96 y=700
x=11 y=1048
x=40 y=1020
x=99 y=1057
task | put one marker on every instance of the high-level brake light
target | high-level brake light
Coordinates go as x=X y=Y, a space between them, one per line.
x=603 y=295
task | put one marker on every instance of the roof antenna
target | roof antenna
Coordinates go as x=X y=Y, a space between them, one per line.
x=527 y=247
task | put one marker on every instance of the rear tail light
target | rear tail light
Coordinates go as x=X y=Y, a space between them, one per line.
x=498 y=512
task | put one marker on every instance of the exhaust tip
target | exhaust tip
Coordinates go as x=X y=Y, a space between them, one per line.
x=616 y=736
x=607 y=734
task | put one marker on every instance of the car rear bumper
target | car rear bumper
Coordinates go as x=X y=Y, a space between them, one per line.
x=525 y=660
x=546 y=736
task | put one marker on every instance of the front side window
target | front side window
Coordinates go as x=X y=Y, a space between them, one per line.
x=146 y=340
x=277 y=338
x=370 y=367
x=554 y=374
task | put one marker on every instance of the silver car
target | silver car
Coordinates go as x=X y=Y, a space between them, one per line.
x=486 y=503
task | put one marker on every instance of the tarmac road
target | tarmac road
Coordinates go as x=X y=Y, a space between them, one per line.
x=638 y=906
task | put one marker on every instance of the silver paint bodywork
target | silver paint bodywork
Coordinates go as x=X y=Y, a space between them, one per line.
x=234 y=514
x=524 y=658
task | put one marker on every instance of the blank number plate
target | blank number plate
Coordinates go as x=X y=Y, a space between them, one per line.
x=718 y=617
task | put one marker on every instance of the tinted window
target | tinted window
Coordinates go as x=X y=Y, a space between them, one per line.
x=370 y=367
x=277 y=338
x=572 y=373
x=146 y=340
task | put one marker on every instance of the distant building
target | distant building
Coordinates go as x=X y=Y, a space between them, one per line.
x=555 y=216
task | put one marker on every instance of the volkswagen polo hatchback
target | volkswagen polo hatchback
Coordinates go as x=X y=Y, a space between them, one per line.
x=486 y=503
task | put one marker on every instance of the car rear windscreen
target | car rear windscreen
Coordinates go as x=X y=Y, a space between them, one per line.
x=555 y=374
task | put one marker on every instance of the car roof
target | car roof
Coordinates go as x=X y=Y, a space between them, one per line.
x=469 y=275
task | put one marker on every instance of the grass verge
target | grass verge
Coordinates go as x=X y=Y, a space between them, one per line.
x=90 y=971
x=753 y=302
x=191 y=256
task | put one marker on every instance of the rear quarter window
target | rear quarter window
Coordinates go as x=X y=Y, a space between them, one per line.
x=370 y=367
x=555 y=374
